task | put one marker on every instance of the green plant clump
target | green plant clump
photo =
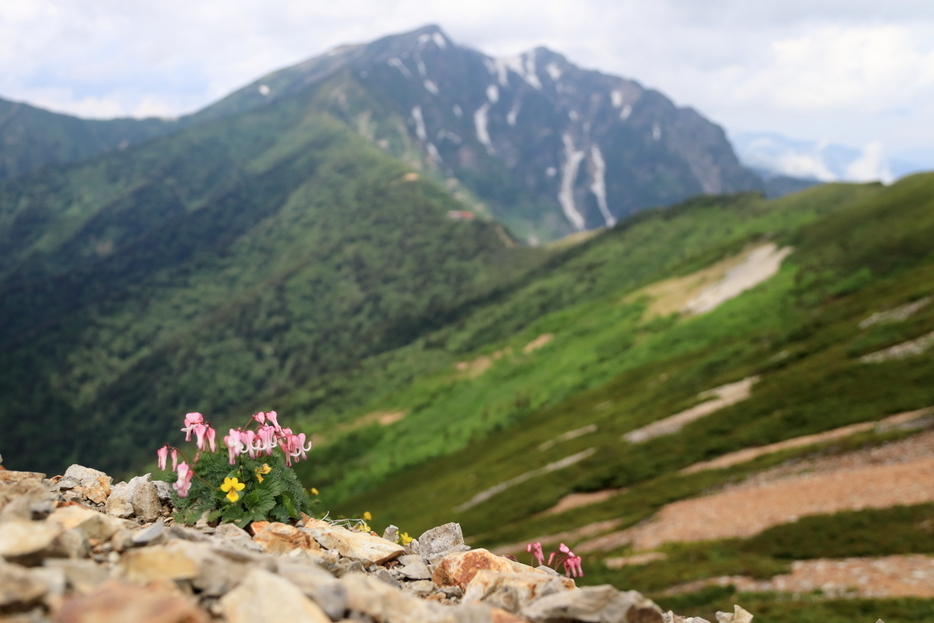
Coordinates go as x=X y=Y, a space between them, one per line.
x=251 y=482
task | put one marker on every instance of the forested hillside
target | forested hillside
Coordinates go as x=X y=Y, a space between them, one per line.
x=215 y=270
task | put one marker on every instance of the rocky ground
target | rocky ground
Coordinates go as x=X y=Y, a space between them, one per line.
x=79 y=549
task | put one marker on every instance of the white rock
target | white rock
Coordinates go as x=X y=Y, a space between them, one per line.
x=266 y=598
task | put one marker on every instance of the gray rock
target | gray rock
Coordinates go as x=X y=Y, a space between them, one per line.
x=150 y=535
x=28 y=542
x=319 y=586
x=594 y=604
x=235 y=536
x=267 y=598
x=163 y=490
x=391 y=533
x=80 y=575
x=85 y=476
x=382 y=602
x=511 y=591
x=436 y=543
x=119 y=507
x=415 y=570
x=27 y=499
x=351 y=544
x=146 y=502
x=421 y=588
x=19 y=588
x=385 y=576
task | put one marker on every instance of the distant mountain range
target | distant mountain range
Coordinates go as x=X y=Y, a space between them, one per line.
x=772 y=154
x=538 y=143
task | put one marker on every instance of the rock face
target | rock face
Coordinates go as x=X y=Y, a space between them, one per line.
x=80 y=564
x=549 y=147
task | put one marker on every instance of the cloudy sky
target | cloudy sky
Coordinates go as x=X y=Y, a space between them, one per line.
x=854 y=72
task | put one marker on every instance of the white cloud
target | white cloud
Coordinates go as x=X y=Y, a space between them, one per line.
x=850 y=71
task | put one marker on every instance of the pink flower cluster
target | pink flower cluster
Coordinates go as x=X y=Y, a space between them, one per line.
x=204 y=438
x=564 y=556
x=265 y=438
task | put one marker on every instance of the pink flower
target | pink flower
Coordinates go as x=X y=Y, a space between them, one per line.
x=266 y=440
x=246 y=438
x=260 y=417
x=211 y=435
x=162 y=455
x=536 y=550
x=200 y=431
x=184 y=479
x=190 y=420
x=234 y=446
x=272 y=417
x=572 y=567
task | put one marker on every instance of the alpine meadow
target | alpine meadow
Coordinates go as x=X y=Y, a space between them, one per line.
x=539 y=301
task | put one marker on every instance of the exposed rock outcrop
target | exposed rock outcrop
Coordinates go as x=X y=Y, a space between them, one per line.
x=78 y=548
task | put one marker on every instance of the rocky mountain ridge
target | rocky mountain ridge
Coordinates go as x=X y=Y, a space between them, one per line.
x=74 y=548
x=547 y=147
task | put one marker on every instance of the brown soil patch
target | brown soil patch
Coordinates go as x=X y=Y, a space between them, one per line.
x=897 y=473
x=577 y=500
x=742 y=456
x=481 y=364
x=538 y=342
x=889 y=576
x=638 y=559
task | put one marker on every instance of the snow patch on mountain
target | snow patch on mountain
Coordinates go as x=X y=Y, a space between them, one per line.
x=616 y=97
x=499 y=68
x=523 y=65
x=422 y=72
x=553 y=70
x=480 y=121
x=439 y=40
x=572 y=161
x=419 y=123
x=513 y=113
x=492 y=93
x=431 y=87
x=598 y=187
x=457 y=111
x=433 y=154
x=656 y=132
x=625 y=112
x=398 y=64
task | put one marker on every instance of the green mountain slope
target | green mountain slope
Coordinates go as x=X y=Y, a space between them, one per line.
x=213 y=270
x=31 y=137
x=611 y=368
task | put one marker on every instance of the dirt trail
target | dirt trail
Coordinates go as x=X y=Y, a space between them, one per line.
x=889 y=576
x=897 y=473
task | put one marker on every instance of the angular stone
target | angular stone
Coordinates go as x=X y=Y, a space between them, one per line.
x=150 y=535
x=26 y=499
x=234 y=536
x=737 y=616
x=438 y=542
x=385 y=604
x=594 y=604
x=115 y=602
x=318 y=585
x=119 y=507
x=19 y=589
x=459 y=568
x=89 y=523
x=179 y=560
x=350 y=544
x=27 y=542
x=92 y=484
x=81 y=575
x=266 y=598
x=671 y=617
x=9 y=477
x=416 y=570
x=280 y=538
x=513 y=591
x=146 y=501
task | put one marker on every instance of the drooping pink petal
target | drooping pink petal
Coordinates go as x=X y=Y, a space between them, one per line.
x=211 y=442
x=536 y=550
x=260 y=417
x=200 y=430
x=183 y=484
x=162 y=455
x=234 y=446
x=174 y=459
x=272 y=417
x=190 y=420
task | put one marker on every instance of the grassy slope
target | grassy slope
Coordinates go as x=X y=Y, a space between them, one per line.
x=858 y=250
x=208 y=271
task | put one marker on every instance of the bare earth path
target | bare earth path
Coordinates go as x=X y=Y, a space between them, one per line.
x=898 y=473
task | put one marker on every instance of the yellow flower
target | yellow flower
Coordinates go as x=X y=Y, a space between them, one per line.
x=265 y=469
x=367 y=516
x=404 y=538
x=314 y=491
x=232 y=485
